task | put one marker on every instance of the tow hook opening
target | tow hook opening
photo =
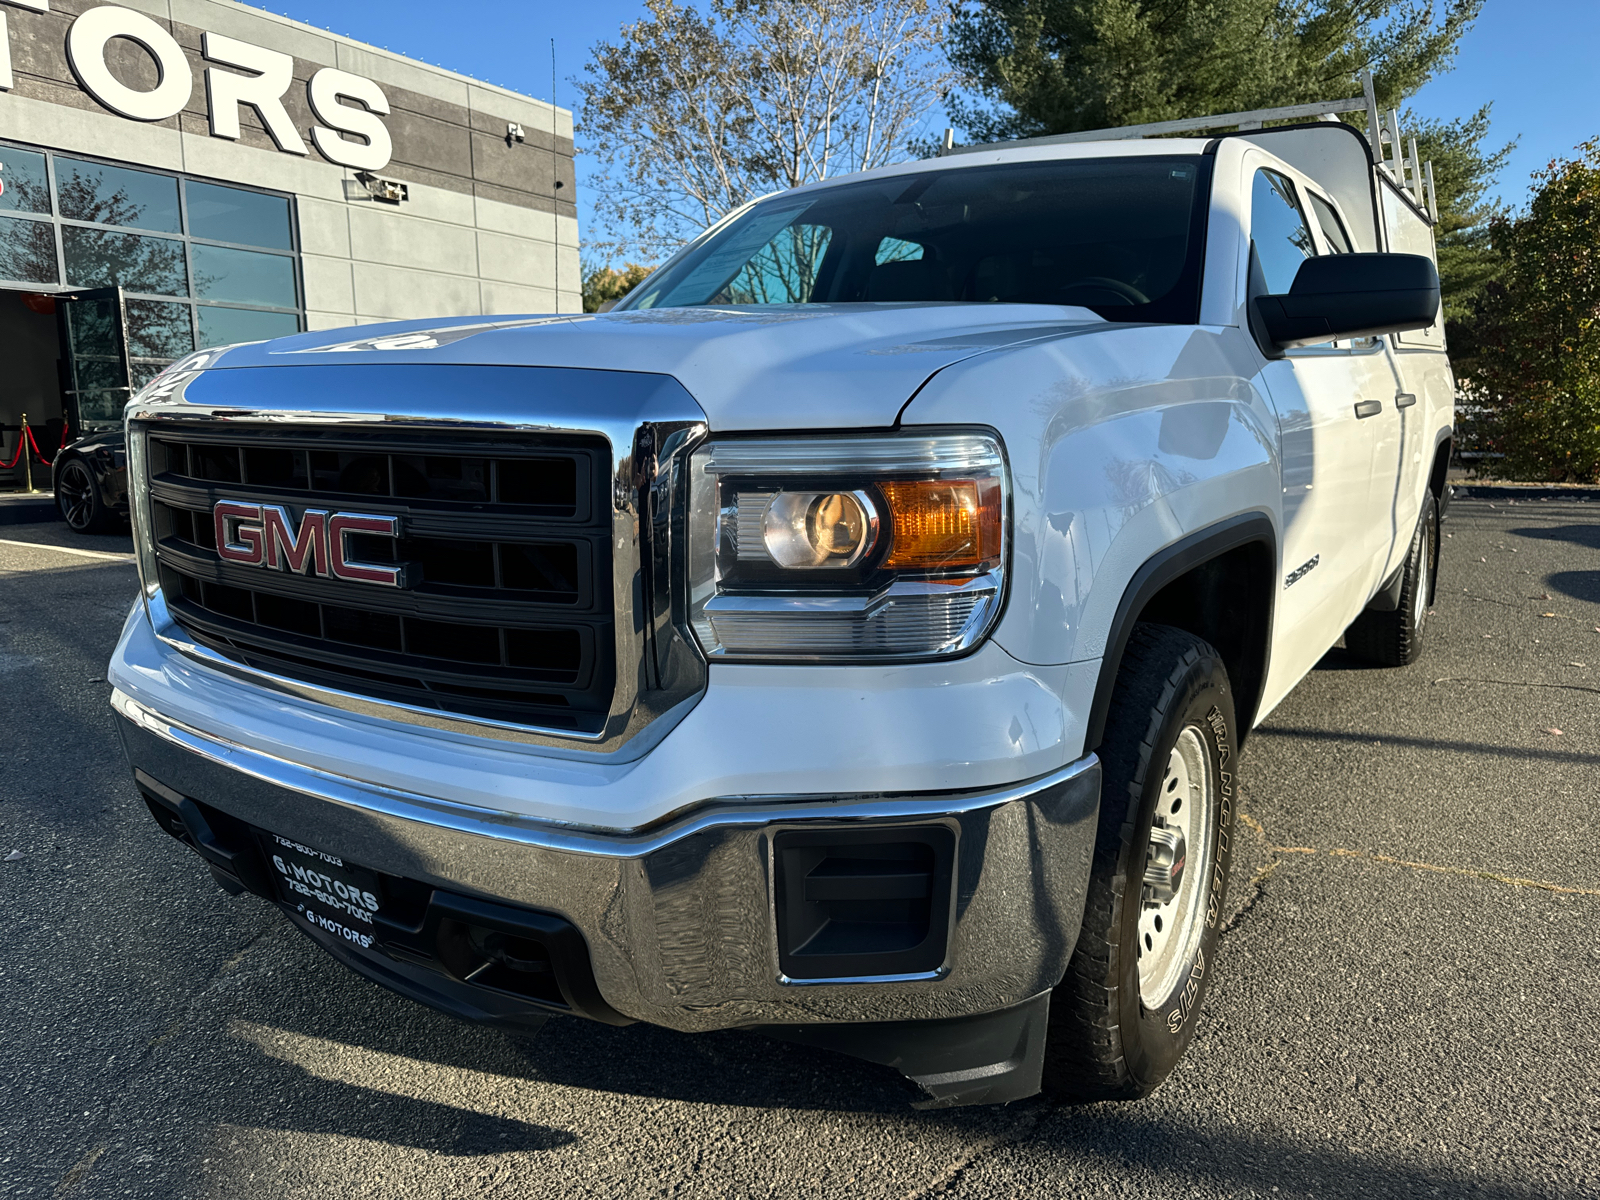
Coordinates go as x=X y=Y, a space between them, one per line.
x=503 y=961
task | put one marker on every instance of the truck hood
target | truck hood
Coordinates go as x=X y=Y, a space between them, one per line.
x=756 y=367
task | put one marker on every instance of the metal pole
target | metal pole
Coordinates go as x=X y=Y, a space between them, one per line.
x=27 y=460
x=1374 y=122
x=555 y=181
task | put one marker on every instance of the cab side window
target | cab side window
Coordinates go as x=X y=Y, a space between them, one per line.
x=1278 y=230
x=1333 y=230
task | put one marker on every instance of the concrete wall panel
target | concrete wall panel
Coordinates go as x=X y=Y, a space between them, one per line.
x=396 y=293
x=515 y=260
x=387 y=68
x=507 y=299
x=48 y=124
x=379 y=235
x=254 y=26
x=324 y=228
x=328 y=283
x=329 y=320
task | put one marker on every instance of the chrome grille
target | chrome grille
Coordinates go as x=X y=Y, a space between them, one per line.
x=506 y=537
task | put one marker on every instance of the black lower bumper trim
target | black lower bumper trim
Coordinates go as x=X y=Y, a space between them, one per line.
x=992 y=1058
x=477 y=959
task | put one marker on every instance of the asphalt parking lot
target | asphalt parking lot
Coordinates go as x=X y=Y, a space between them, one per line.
x=1405 y=999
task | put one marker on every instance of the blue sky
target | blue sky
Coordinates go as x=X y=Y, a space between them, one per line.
x=1535 y=59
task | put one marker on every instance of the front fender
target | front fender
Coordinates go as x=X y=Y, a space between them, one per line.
x=1122 y=442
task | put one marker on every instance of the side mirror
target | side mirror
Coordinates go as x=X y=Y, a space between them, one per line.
x=1352 y=295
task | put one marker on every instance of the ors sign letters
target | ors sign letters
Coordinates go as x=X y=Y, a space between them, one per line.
x=247 y=74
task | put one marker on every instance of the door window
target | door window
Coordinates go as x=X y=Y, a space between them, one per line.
x=1278 y=230
x=1333 y=231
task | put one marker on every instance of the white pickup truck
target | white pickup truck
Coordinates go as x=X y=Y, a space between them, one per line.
x=850 y=637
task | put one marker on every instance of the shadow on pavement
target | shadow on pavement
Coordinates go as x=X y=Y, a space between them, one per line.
x=1340 y=659
x=1580 y=585
x=1137 y=1139
x=1439 y=744
x=1579 y=535
x=1143 y=1140
x=728 y=1067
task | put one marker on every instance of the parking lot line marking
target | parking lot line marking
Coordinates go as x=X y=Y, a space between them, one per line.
x=127 y=558
x=1560 y=687
x=1472 y=872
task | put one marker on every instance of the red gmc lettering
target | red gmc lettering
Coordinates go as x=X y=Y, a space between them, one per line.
x=229 y=518
x=296 y=551
x=345 y=567
x=266 y=535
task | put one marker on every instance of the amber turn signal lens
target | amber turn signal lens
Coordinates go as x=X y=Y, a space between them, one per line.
x=943 y=523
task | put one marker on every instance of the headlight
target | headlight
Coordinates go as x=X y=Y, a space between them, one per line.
x=846 y=547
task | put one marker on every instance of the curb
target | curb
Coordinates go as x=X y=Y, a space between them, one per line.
x=1580 y=492
x=28 y=508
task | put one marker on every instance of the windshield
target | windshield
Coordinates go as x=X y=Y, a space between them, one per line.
x=1120 y=236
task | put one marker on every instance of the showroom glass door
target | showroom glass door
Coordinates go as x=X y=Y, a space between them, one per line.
x=95 y=372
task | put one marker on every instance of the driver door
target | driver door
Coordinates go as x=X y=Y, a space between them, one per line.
x=1334 y=535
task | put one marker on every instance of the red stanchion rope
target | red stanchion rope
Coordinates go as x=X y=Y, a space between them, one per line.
x=39 y=454
x=25 y=437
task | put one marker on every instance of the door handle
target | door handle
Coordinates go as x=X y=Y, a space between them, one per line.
x=1369 y=408
x=1404 y=399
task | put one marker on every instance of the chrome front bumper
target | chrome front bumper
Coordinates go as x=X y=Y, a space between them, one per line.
x=680 y=920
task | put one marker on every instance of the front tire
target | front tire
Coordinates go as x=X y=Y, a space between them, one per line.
x=1126 y=1009
x=1394 y=639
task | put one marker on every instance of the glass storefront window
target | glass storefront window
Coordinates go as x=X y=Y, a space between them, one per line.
x=243 y=276
x=220 y=326
x=157 y=329
x=100 y=258
x=117 y=196
x=225 y=214
x=25 y=182
x=27 y=250
x=200 y=264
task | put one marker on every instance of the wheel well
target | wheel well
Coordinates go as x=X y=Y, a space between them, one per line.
x=1441 y=468
x=1217 y=586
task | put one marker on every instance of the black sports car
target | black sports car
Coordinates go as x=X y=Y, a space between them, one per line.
x=91 y=483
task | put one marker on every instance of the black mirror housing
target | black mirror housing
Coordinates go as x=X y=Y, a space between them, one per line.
x=1352 y=295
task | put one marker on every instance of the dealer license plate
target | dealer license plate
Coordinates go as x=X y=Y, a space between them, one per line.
x=324 y=890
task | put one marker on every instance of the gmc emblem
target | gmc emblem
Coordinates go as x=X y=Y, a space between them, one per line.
x=263 y=535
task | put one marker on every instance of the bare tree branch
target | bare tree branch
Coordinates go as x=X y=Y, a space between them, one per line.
x=693 y=115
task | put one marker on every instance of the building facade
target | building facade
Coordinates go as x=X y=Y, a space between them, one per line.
x=176 y=174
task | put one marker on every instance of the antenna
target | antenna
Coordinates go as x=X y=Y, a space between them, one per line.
x=555 y=208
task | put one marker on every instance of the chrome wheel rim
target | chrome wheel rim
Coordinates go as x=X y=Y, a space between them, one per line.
x=75 y=495
x=1170 y=929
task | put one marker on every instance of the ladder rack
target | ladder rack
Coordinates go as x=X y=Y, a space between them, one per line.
x=1399 y=167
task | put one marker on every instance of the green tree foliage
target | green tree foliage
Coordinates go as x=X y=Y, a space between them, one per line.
x=693 y=113
x=602 y=283
x=1535 y=383
x=1057 y=66
x=1462 y=171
